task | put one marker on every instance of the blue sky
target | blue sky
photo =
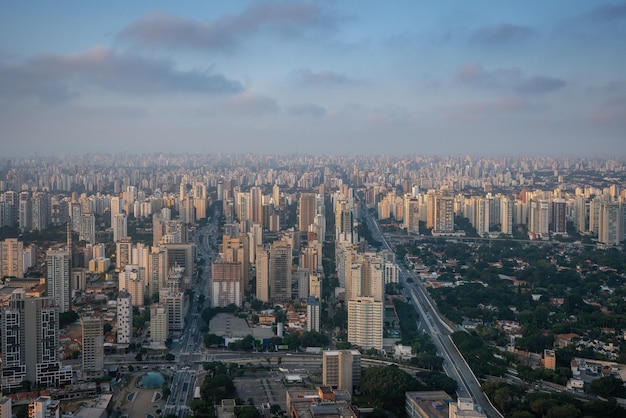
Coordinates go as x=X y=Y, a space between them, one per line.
x=486 y=78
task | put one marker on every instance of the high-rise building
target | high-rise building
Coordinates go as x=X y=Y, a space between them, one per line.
x=157 y=271
x=30 y=342
x=341 y=369
x=200 y=200
x=306 y=211
x=506 y=215
x=181 y=255
x=280 y=271
x=123 y=253
x=411 y=214
x=117 y=206
x=313 y=314
x=443 y=220
x=256 y=205
x=124 y=317
x=176 y=308
x=366 y=277
x=11 y=258
x=235 y=250
x=58 y=277
x=120 y=226
x=344 y=220
x=481 y=216
x=315 y=284
x=88 y=228
x=93 y=346
x=610 y=224
x=558 y=224
x=262 y=274
x=159 y=331
x=40 y=206
x=539 y=219
x=226 y=283
x=365 y=323
x=25 y=214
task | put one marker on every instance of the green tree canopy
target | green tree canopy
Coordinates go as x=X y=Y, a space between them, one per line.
x=386 y=385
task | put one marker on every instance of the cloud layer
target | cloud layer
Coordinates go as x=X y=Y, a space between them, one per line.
x=507 y=79
x=286 y=19
x=61 y=77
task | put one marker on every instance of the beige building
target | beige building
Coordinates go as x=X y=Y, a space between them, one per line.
x=365 y=323
x=11 y=258
x=159 y=329
x=93 y=346
x=341 y=369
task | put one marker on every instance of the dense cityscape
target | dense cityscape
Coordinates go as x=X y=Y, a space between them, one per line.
x=312 y=209
x=478 y=286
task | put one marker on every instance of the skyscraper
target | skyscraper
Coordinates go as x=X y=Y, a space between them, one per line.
x=262 y=274
x=313 y=314
x=159 y=330
x=365 y=323
x=124 y=317
x=306 y=211
x=58 y=277
x=11 y=258
x=30 y=342
x=443 y=221
x=411 y=214
x=226 y=283
x=93 y=346
x=123 y=253
x=558 y=222
x=120 y=226
x=280 y=271
x=87 y=228
x=235 y=250
x=610 y=224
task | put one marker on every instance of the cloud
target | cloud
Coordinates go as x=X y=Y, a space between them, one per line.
x=506 y=104
x=507 y=79
x=284 y=18
x=61 y=77
x=501 y=33
x=307 y=109
x=608 y=12
x=251 y=103
x=540 y=85
x=321 y=78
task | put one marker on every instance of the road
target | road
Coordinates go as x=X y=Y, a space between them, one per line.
x=454 y=364
x=181 y=394
x=189 y=349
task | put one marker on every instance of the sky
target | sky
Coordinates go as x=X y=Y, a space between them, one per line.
x=486 y=78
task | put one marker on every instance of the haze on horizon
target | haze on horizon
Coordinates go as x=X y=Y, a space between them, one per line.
x=321 y=77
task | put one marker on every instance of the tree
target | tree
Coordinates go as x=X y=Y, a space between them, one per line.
x=386 y=385
x=165 y=391
x=275 y=409
x=67 y=318
x=247 y=411
x=608 y=387
x=211 y=340
x=170 y=357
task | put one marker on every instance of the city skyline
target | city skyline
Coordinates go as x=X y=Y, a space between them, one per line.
x=479 y=78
